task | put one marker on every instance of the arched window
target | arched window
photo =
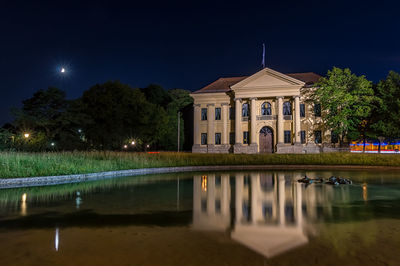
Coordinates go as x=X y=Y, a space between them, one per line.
x=287 y=108
x=266 y=108
x=245 y=110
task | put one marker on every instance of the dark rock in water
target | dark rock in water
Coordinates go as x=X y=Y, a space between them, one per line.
x=308 y=180
x=333 y=180
x=305 y=180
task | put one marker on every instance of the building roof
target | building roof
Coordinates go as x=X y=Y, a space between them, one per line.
x=224 y=84
x=221 y=85
x=309 y=77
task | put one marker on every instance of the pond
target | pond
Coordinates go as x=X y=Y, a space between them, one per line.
x=207 y=218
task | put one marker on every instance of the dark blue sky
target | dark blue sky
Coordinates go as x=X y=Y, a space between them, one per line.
x=188 y=44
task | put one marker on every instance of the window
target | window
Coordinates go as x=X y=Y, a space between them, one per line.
x=245 y=110
x=317 y=109
x=217 y=113
x=266 y=109
x=203 y=138
x=287 y=108
x=203 y=113
x=318 y=136
x=288 y=136
x=217 y=138
x=302 y=110
x=334 y=137
x=303 y=136
x=232 y=113
x=245 y=137
x=232 y=138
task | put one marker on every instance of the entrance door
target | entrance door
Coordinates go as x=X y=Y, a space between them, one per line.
x=266 y=140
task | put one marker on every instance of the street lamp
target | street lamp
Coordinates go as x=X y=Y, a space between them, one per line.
x=133 y=142
x=26 y=135
x=62 y=70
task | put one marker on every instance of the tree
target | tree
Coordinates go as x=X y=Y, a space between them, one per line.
x=42 y=114
x=157 y=95
x=180 y=99
x=119 y=113
x=386 y=117
x=346 y=101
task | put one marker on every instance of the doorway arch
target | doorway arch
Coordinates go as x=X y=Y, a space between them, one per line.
x=266 y=140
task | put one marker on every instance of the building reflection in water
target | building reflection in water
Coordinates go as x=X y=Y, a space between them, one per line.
x=271 y=210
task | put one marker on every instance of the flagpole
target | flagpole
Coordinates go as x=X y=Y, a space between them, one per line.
x=263 y=57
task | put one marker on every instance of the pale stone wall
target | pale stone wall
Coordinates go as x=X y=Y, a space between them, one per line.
x=271 y=87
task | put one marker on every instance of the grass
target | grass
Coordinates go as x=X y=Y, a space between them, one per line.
x=15 y=164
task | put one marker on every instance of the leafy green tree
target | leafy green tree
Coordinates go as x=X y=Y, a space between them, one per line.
x=41 y=116
x=118 y=113
x=157 y=95
x=180 y=99
x=346 y=101
x=386 y=116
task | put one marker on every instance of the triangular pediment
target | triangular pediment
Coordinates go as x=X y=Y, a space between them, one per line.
x=267 y=78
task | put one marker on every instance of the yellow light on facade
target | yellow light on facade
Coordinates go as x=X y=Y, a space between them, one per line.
x=26 y=135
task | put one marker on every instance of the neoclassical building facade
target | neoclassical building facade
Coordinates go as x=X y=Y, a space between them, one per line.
x=262 y=113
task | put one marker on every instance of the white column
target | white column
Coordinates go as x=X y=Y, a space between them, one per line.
x=297 y=119
x=239 y=196
x=299 y=209
x=225 y=193
x=281 y=197
x=256 y=205
x=210 y=123
x=238 y=121
x=196 y=124
x=225 y=123
x=196 y=194
x=253 y=117
x=211 y=195
x=280 y=119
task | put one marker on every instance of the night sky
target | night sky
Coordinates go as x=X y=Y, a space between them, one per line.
x=186 y=45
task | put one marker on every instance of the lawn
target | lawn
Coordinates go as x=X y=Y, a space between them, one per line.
x=15 y=164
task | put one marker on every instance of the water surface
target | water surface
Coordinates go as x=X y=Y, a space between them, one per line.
x=207 y=218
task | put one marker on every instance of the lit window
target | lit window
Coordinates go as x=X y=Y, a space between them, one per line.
x=203 y=113
x=287 y=108
x=217 y=138
x=217 y=113
x=266 y=109
x=302 y=110
x=203 y=138
x=318 y=136
x=245 y=110
x=288 y=136
x=246 y=137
